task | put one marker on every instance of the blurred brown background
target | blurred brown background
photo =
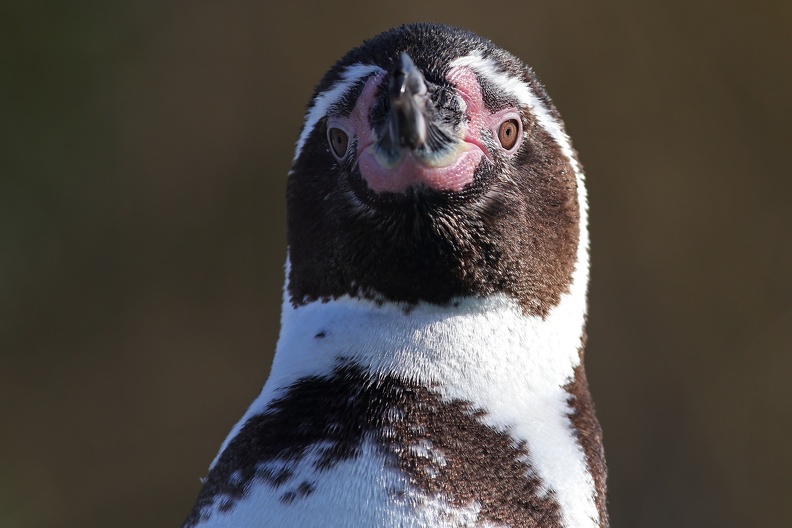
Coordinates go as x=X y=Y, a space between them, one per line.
x=143 y=156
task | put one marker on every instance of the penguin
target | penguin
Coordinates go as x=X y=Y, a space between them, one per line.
x=429 y=370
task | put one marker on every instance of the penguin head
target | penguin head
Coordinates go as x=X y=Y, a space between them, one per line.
x=432 y=167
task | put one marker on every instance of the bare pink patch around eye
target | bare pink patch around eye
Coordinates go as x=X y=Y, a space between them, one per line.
x=469 y=89
x=359 y=117
x=479 y=118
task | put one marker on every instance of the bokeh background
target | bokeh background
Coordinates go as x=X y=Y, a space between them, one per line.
x=143 y=155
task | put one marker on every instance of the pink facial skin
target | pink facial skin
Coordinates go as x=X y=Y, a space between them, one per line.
x=453 y=173
x=413 y=172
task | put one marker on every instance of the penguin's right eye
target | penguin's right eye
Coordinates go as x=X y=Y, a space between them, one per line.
x=339 y=141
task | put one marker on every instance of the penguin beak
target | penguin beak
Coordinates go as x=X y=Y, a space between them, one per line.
x=410 y=123
x=414 y=141
x=408 y=100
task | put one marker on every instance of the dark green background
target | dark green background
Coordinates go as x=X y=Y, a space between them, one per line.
x=143 y=156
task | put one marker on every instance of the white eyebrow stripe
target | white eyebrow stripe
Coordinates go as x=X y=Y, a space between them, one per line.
x=488 y=68
x=325 y=100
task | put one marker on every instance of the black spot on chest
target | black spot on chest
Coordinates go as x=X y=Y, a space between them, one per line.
x=442 y=447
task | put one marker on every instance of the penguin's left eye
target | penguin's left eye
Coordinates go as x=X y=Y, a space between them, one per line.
x=508 y=133
x=339 y=141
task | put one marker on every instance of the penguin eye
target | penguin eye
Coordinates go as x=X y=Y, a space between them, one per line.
x=508 y=133
x=339 y=141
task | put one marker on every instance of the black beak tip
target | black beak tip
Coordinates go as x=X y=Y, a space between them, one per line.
x=404 y=65
x=407 y=125
x=405 y=77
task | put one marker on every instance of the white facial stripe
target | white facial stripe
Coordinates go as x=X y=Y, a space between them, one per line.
x=488 y=68
x=325 y=100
